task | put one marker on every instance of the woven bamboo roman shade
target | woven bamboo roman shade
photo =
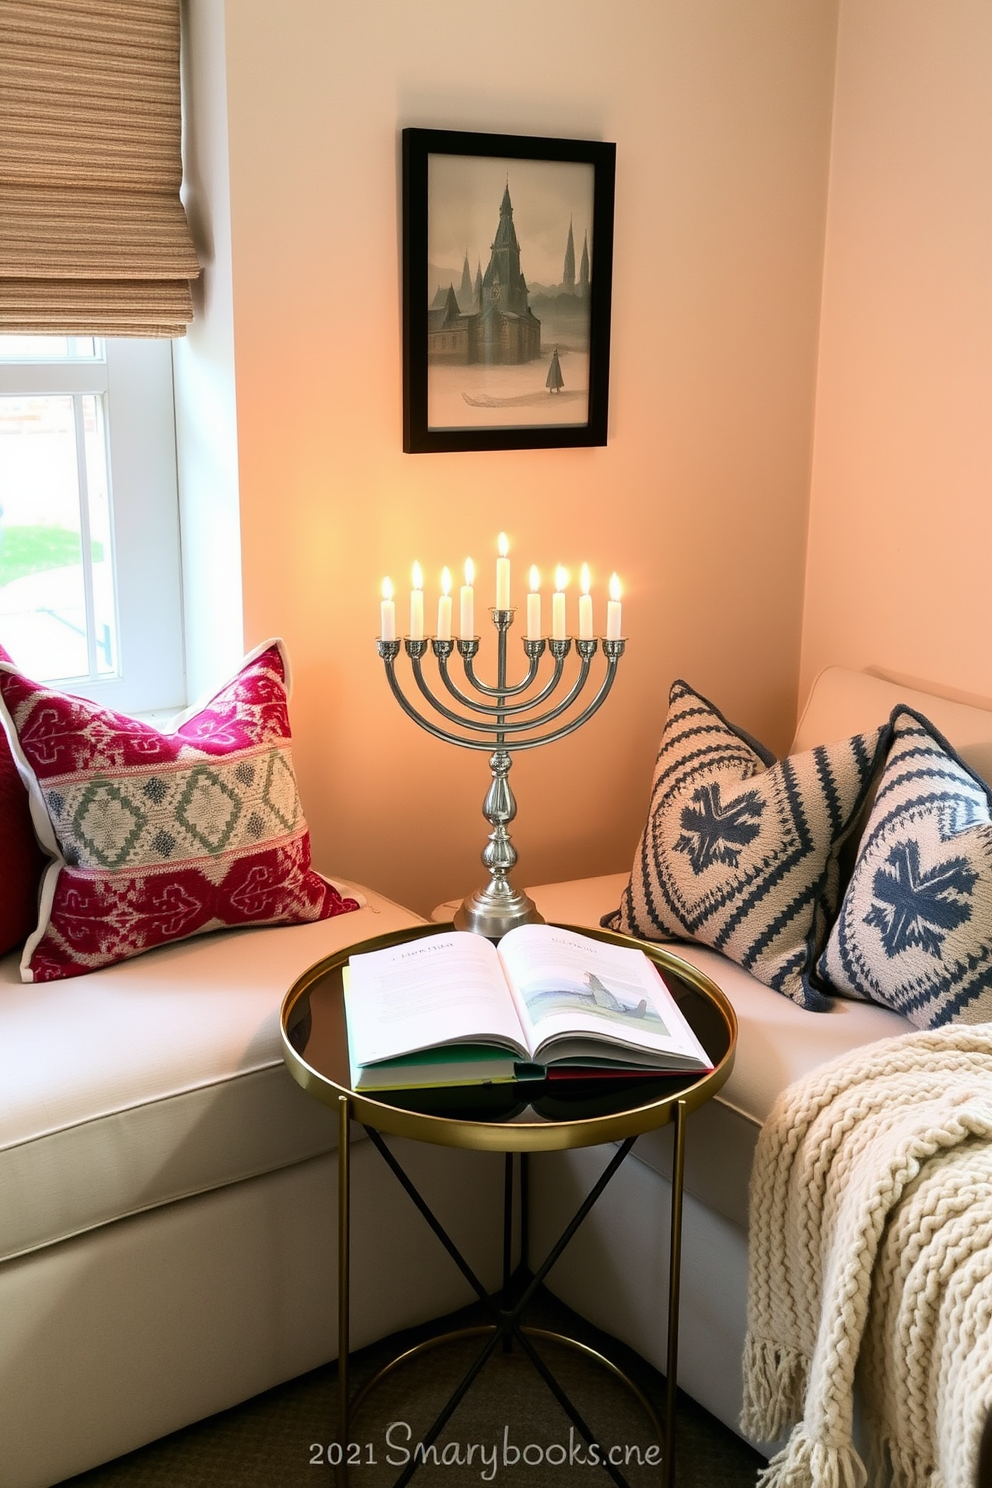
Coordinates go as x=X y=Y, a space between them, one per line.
x=93 y=236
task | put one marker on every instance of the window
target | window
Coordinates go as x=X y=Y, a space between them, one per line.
x=90 y=589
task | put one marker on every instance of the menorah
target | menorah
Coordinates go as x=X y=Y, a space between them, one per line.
x=504 y=720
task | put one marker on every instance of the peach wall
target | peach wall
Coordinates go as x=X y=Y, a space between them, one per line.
x=901 y=511
x=721 y=113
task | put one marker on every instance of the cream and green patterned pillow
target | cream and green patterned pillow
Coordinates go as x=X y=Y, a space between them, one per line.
x=740 y=852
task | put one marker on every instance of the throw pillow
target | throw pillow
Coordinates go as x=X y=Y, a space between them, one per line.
x=740 y=852
x=21 y=859
x=159 y=836
x=914 y=930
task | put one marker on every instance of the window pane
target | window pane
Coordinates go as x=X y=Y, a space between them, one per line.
x=51 y=349
x=101 y=535
x=56 y=616
x=88 y=469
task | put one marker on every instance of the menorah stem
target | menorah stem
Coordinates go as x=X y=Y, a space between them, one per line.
x=499 y=907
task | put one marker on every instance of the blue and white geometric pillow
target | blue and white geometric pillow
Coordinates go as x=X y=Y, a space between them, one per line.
x=740 y=852
x=915 y=928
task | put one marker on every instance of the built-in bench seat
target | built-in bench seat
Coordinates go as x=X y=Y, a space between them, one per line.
x=167 y=1192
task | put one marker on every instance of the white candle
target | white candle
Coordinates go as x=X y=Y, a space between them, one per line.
x=534 y=606
x=387 y=612
x=503 y=574
x=466 y=627
x=417 y=604
x=613 y=631
x=558 y=631
x=444 y=607
x=585 y=607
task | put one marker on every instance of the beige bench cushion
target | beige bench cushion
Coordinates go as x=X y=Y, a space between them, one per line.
x=844 y=702
x=157 y=1078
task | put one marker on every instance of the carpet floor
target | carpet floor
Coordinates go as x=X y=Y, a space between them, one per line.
x=507 y=1430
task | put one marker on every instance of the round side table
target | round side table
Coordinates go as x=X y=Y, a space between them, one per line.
x=551 y=1116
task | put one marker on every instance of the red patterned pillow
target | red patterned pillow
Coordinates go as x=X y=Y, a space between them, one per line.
x=21 y=859
x=161 y=836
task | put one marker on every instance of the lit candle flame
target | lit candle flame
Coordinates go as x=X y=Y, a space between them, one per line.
x=535 y=578
x=469 y=572
x=418 y=576
x=561 y=578
x=387 y=588
x=503 y=543
x=446 y=581
x=586 y=581
x=615 y=590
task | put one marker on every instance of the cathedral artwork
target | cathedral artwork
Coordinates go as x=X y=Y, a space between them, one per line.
x=508 y=266
x=492 y=322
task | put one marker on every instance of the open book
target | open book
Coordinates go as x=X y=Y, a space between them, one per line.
x=453 y=1009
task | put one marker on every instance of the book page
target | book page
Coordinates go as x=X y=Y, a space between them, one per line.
x=567 y=985
x=441 y=989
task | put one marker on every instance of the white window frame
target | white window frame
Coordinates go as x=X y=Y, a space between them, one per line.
x=137 y=378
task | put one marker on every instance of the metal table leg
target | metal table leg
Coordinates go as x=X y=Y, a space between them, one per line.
x=674 y=1285
x=507 y=1321
x=344 y=1277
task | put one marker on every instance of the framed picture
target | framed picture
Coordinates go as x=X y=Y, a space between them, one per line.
x=507 y=274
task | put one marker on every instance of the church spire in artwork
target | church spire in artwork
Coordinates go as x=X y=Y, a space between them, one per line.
x=584 y=270
x=508 y=330
x=506 y=234
x=503 y=280
x=568 y=273
x=465 y=288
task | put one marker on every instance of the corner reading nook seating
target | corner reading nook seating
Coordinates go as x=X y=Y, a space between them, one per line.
x=167 y=1225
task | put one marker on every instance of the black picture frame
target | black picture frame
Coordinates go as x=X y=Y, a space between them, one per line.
x=457 y=187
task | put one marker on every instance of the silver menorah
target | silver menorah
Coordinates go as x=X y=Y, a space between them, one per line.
x=491 y=721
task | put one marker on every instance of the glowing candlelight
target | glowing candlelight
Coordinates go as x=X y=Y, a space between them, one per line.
x=417 y=604
x=585 y=607
x=444 y=607
x=613 y=631
x=558 y=632
x=467 y=603
x=503 y=574
x=534 y=606
x=387 y=612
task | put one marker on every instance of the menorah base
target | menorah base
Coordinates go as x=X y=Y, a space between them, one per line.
x=497 y=908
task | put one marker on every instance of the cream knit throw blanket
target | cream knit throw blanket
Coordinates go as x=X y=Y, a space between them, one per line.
x=871 y=1249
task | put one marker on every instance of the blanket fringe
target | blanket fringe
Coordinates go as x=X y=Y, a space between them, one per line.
x=807 y=1463
x=774 y=1389
x=892 y=1465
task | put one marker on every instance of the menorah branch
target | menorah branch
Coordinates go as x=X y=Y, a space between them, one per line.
x=500 y=723
x=490 y=708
